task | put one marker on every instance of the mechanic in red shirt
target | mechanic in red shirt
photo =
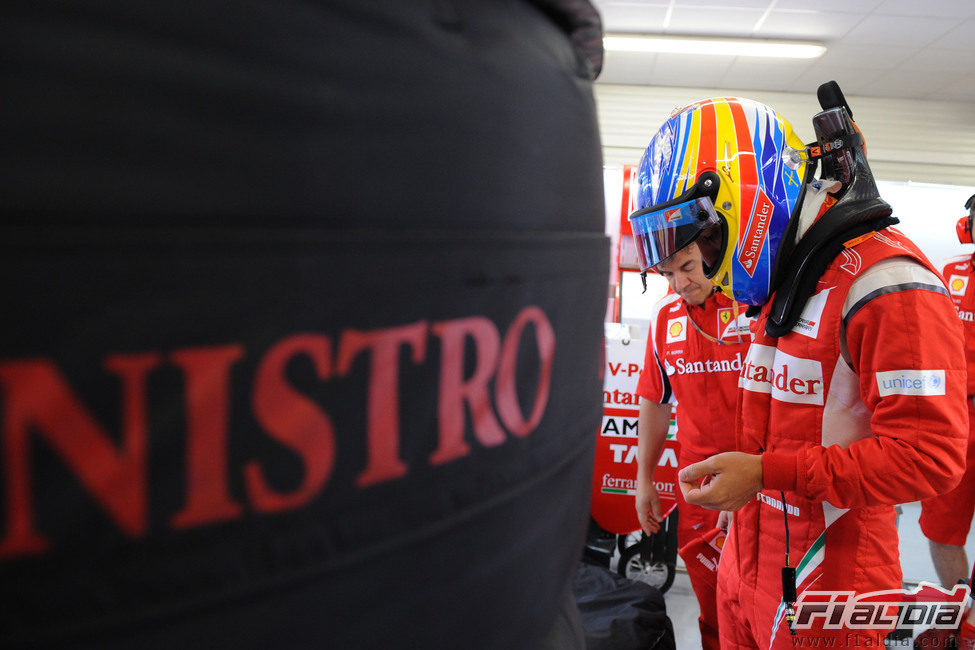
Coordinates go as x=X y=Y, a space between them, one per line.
x=698 y=339
x=946 y=519
x=853 y=390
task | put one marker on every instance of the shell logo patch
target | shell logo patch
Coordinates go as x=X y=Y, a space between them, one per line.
x=957 y=284
x=677 y=329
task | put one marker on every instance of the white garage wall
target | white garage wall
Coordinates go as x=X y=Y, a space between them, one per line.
x=928 y=214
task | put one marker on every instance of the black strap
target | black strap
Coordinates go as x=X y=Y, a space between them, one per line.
x=814 y=252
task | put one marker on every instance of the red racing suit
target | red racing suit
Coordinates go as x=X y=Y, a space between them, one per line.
x=694 y=354
x=948 y=517
x=860 y=407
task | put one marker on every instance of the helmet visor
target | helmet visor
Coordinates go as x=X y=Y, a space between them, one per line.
x=659 y=231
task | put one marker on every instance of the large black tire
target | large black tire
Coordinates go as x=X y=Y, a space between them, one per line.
x=331 y=216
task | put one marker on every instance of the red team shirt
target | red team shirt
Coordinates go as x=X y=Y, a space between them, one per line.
x=947 y=518
x=702 y=372
x=958 y=276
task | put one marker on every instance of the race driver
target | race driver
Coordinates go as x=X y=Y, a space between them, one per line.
x=698 y=339
x=852 y=395
x=946 y=519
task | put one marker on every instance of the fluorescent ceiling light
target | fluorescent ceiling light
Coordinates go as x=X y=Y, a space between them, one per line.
x=712 y=46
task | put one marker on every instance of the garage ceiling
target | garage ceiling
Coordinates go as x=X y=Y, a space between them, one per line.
x=909 y=49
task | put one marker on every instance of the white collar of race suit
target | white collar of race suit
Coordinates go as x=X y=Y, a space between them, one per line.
x=815 y=195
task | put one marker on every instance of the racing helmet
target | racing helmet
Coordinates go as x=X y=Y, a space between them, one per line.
x=728 y=173
x=964 y=226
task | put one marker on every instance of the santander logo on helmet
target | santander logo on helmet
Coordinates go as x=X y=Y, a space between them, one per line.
x=755 y=237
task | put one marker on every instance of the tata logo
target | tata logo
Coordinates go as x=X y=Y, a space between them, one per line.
x=626 y=454
x=785 y=377
x=753 y=242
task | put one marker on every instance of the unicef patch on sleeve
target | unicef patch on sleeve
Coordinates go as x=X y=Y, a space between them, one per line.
x=911 y=382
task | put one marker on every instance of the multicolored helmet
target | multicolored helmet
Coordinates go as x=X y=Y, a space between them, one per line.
x=729 y=174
